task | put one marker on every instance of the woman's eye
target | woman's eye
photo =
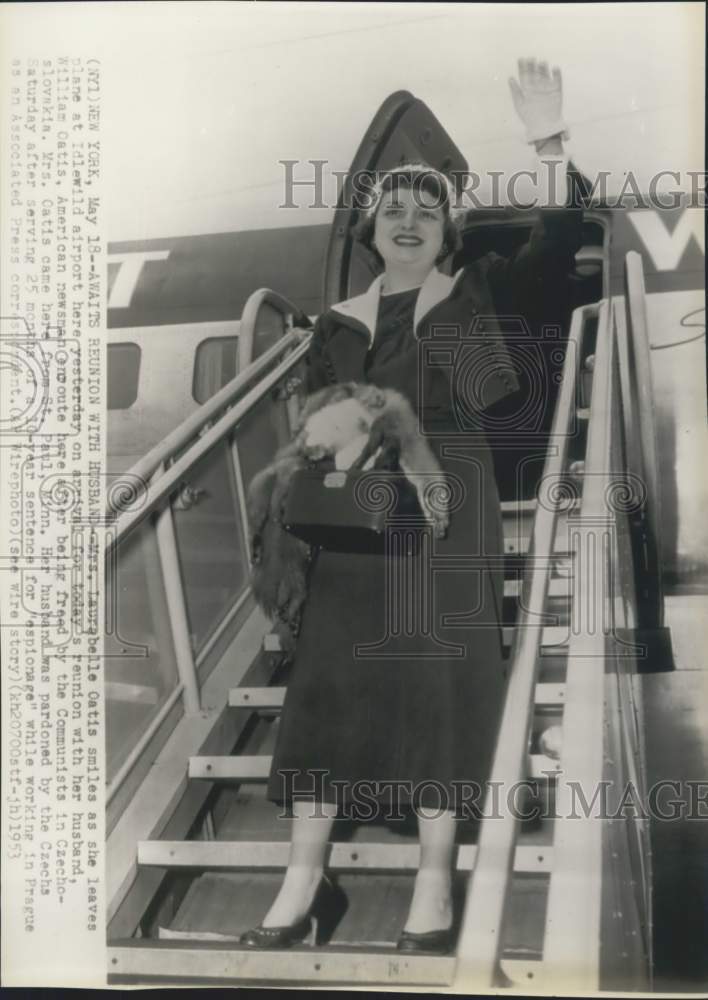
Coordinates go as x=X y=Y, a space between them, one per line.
x=392 y=211
x=428 y=215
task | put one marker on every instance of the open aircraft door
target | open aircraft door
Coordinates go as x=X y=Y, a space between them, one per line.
x=403 y=130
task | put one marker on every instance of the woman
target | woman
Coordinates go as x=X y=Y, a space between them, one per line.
x=400 y=705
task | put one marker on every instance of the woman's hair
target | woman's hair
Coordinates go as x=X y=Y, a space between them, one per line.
x=419 y=178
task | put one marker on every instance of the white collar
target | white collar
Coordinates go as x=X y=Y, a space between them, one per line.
x=365 y=308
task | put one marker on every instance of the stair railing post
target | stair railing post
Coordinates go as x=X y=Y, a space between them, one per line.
x=176 y=605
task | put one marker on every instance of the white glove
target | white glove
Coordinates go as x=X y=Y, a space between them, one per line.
x=538 y=99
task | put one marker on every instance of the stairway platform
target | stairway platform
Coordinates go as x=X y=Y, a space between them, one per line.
x=202 y=942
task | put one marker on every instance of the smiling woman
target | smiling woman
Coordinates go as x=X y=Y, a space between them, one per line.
x=398 y=679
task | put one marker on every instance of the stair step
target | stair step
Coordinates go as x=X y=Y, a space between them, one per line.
x=558 y=586
x=510 y=507
x=222 y=961
x=522 y=972
x=240 y=854
x=554 y=636
x=272 y=697
x=245 y=768
x=516 y=543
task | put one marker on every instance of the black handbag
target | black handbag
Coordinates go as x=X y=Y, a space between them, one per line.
x=354 y=510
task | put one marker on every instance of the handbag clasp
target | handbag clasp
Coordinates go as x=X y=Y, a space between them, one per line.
x=335 y=480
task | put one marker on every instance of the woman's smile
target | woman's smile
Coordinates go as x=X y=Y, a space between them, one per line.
x=408 y=241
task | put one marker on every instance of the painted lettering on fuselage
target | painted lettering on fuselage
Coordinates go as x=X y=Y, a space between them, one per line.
x=666 y=248
x=130 y=266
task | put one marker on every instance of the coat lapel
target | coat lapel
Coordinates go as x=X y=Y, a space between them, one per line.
x=364 y=309
x=435 y=289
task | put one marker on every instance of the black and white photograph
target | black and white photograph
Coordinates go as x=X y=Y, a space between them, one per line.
x=353 y=545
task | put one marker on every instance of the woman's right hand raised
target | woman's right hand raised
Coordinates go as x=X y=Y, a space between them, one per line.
x=538 y=99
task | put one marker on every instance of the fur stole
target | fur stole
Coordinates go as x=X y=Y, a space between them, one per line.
x=348 y=422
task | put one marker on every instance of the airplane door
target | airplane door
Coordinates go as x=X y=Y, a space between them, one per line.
x=403 y=130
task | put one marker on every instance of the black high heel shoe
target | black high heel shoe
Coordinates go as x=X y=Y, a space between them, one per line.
x=428 y=942
x=316 y=927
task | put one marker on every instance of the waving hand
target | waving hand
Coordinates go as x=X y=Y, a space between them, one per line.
x=538 y=99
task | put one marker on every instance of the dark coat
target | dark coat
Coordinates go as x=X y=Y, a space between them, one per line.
x=370 y=698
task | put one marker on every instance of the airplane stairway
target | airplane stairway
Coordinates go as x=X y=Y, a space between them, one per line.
x=233 y=874
x=536 y=896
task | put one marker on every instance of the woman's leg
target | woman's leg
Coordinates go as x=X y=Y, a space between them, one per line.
x=431 y=906
x=312 y=823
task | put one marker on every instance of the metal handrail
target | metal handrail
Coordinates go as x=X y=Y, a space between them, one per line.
x=480 y=936
x=184 y=447
x=249 y=317
x=161 y=488
x=573 y=942
x=572 y=934
x=191 y=426
x=640 y=409
x=639 y=332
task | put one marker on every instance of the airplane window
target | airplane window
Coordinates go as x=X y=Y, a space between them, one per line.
x=215 y=364
x=123 y=362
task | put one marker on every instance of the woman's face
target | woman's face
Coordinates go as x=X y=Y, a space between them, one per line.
x=409 y=228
